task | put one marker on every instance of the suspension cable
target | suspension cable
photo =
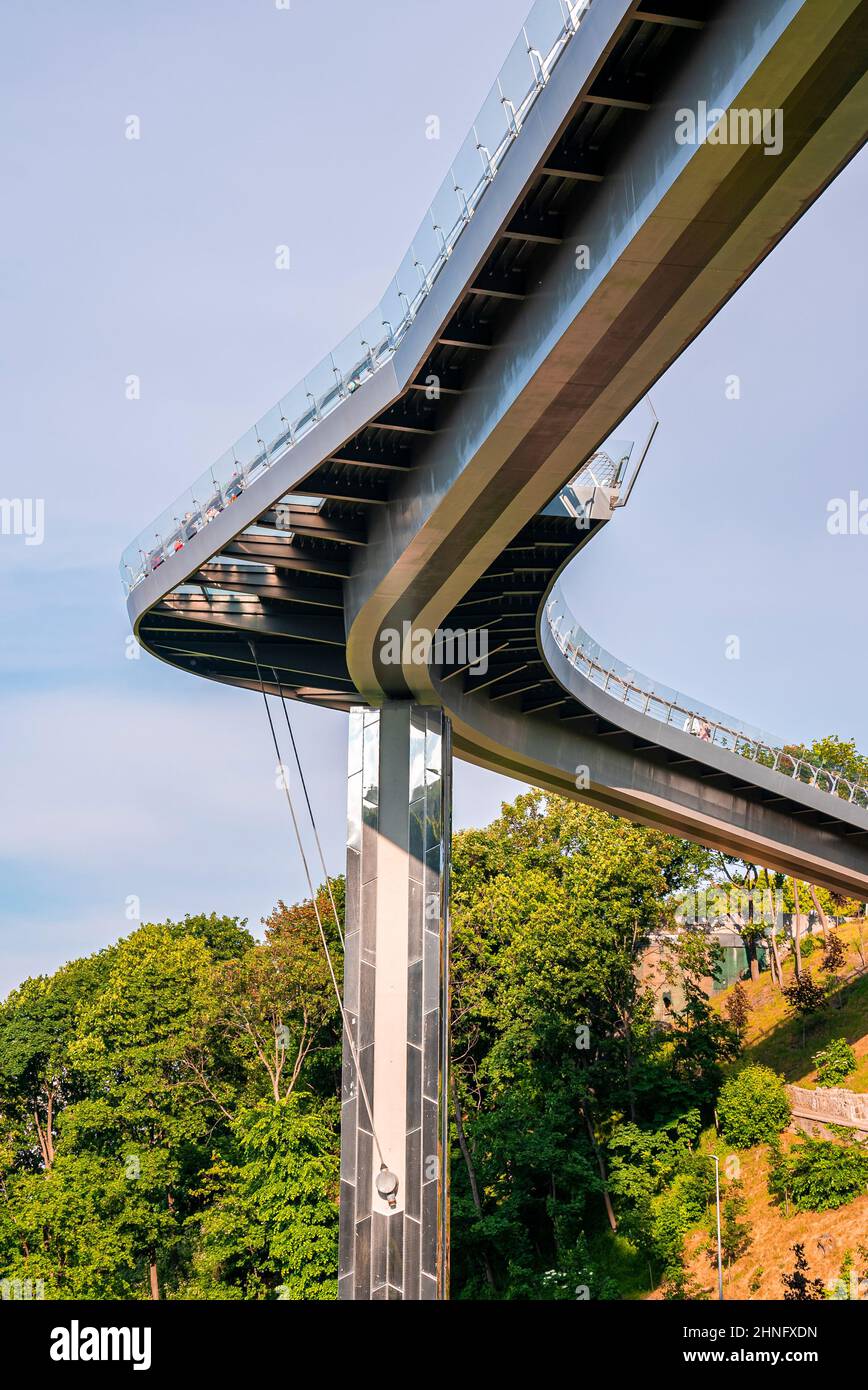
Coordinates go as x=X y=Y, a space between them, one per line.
x=285 y=704
x=346 y=1023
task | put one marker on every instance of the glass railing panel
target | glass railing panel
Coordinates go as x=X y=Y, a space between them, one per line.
x=362 y=351
x=193 y=512
x=209 y=495
x=545 y=28
x=225 y=478
x=189 y=518
x=518 y=82
x=159 y=546
x=132 y=566
x=493 y=129
x=375 y=342
x=410 y=285
x=296 y=409
x=428 y=252
x=393 y=311
x=250 y=455
x=447 y=214
x=351 y=359
x=273 y=430
x=468 y=174
x=322 y=388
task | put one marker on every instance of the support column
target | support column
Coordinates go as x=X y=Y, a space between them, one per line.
x=396 y=995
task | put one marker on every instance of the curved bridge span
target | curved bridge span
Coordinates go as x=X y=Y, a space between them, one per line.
x=423 y=479
x=430 y=444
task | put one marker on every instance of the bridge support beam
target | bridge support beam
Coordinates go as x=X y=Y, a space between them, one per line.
x=396 y=996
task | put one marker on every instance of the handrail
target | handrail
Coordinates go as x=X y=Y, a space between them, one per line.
x=708 y=725
x=546 y=33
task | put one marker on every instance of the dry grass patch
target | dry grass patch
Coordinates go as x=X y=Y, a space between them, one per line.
x=826 y=1236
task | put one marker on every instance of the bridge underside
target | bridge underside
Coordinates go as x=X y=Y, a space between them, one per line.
x=432 y=508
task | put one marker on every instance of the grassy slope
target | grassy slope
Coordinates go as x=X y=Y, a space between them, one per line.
x=779 y=1040
x=826 y=1237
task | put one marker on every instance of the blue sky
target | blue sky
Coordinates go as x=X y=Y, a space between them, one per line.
x=262 y=127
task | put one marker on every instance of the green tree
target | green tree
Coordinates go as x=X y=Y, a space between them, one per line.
x=735 y=1236
x=74 y=1228
x=554 y=906
x=131 y=1045
x=273 y=1013
x=106 y=1132
x=818 y=1175
x=270 y=1223
x=37 y=1024
x=753 y=1107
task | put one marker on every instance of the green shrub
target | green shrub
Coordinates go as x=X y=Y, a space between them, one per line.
x=669 y=1225
x=678 y=1285
x=753 y=1107
x=818 y=1175
x=834 y=1063
x=694 y=1185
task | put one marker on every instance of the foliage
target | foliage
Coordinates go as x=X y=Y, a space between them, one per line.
x=834 y=1062
x=834 y=954
x=169 y=1106
x=834 y=905
x=837 y=755
x=738 y=1008
x=125 y=1091
x=662 y=1186
x=679 y=1286
x=735 y=1236
x=806 y=996
x=553 y=908
x=753 y=1107
x=269 y=1228
x=818 y=1175
x=580 y=1277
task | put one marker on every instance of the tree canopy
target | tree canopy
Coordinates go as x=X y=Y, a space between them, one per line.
x=169 y=1107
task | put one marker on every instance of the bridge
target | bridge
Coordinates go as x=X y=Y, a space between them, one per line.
x=389 y=539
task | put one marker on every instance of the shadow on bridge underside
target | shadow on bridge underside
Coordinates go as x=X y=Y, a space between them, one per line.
x=410 y=479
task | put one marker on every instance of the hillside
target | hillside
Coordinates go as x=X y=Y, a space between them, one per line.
x=827 y=1237
x=775 y=1038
